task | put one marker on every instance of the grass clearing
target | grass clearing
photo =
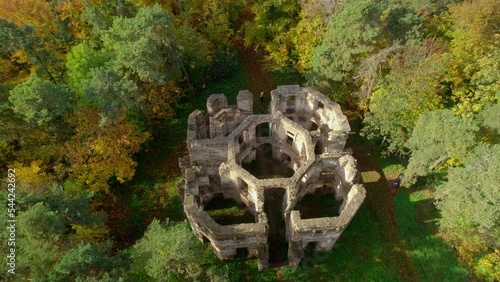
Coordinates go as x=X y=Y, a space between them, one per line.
x=416 y=219
x=435 y=260
x=358 y=255
x=283 y=75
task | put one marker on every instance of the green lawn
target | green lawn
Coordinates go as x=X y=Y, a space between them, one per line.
x=435 y=260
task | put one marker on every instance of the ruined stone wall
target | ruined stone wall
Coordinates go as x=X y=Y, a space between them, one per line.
x=323 y=231
x=314 y=112
x=225 y=240
x=307 y=132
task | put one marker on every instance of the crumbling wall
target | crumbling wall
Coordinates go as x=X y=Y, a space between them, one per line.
x=323 y=231
x=307 y=131
x=226 y=239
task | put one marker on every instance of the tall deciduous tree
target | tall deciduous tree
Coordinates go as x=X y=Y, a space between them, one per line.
x=97 y=154
x=473 y=58
x=271 y=28
x=80 y=61
x=438 y=136
x=411 y=88
x=469 y=201
x=309 y=31
x=212 y=18
x=169 y=251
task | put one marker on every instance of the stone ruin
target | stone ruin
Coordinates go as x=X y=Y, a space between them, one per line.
x=305 y=133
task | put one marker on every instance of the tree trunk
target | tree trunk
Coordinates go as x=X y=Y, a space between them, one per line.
x=438 y=162
x=121 y=9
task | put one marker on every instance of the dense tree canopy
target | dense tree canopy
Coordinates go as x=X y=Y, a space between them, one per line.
x=439 y=136
x=351 y=35
x=271 y=27
x=473 y=56
x=410 y=88
x=469 y=201
x=80 y=61
x=40 y=102
x=169 y=252
x=96 y=154
x=89 y=88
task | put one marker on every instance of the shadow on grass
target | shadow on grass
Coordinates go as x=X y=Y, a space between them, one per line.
x=228 y=211
x=318 y=205
x=379 y=200
x=415 y=216
x=358 y=255
x=435 y=260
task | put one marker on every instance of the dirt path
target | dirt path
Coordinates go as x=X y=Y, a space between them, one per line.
x=257 y=80
x=380 y=200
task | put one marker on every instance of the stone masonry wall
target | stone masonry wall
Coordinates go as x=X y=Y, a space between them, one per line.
x=307 y=131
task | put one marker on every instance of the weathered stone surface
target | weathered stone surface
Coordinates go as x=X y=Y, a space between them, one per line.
x=307 y=132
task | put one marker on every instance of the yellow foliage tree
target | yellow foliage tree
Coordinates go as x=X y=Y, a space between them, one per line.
x=96 y=154
x=32 y=177
x=473 y=58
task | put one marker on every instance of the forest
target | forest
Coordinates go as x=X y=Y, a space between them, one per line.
x=94 y=99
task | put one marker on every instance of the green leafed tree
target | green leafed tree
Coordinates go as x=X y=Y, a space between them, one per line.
x=110 y=93
x=438 y=136
x=488 y=120
x=40 y=102
x=350 y=35
x=142 y=46
x=410 y=88
x=39 y=233
x=309 y=31
x=151 y=51
x=90 y=262
x=193 y=52
x=52 y=243
x=404 y=25
x=168 y=252
x=80 y=61
x=469 y=201
x=272 y=28
x=97 y=18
